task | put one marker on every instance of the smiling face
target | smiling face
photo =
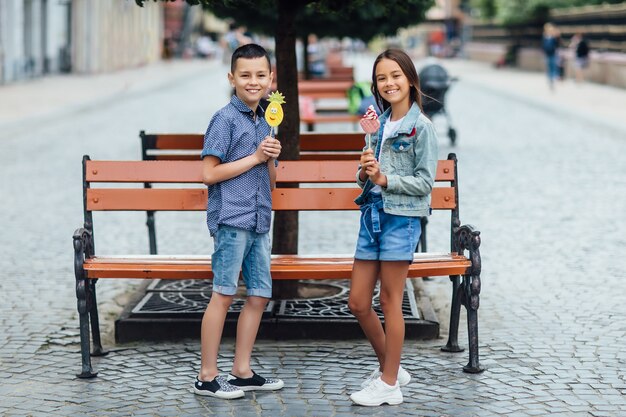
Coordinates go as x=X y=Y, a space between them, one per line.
x=392 y=84
x=251 y=79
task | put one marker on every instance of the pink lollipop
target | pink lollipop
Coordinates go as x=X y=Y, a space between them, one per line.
x=369 y=123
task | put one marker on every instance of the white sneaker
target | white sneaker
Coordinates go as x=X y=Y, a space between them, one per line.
x=378 y=393
x=403 y=377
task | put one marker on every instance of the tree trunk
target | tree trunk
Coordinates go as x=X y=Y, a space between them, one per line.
x=285 y=234
x=305 y=52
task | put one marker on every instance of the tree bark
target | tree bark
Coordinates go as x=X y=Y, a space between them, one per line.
x=285 y=234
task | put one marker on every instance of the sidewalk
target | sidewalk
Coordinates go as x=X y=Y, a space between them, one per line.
x=44 y=99
x=600 y=104
x=551 y=326
x=49 y=97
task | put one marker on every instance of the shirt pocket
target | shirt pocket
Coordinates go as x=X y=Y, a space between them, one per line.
x=402 y=157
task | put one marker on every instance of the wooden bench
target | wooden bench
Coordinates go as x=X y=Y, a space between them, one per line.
x=320 y=88
x=311 y=115
x=313 y=146
x=341 y=73
x=114 y=194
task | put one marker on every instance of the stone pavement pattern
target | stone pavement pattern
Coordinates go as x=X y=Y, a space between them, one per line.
x=543 y=184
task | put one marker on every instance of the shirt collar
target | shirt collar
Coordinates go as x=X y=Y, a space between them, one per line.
x=243 y=107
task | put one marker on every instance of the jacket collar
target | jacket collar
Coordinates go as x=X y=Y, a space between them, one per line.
x=407 y=125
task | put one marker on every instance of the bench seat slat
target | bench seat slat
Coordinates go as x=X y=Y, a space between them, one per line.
x=283 y=267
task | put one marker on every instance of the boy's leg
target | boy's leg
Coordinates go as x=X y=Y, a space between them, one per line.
x=230 y=248
x=211 y=334
x=247 y=329
x=256 y=274
x=392 y=282
x=257 y=277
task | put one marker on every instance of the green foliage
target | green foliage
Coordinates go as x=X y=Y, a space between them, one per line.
x=521 y=11
x=338 y=18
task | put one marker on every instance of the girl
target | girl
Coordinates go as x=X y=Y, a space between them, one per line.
x=397 y=178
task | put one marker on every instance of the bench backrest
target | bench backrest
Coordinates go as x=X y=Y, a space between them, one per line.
x=331 y=197
x=313 y=146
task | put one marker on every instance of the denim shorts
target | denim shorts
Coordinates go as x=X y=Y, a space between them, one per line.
x=238 y=250
x=386 y=237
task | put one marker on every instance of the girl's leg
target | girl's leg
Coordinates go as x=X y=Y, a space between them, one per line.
x=362 y=284
x=392 y=281
x=247 y=329
x=211 y=334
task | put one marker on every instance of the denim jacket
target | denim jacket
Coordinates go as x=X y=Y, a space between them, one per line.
x=409 y=160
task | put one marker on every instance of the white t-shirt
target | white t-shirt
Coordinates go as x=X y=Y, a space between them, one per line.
x=390 y=130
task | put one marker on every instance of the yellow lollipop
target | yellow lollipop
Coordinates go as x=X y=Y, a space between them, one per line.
x=274 y=112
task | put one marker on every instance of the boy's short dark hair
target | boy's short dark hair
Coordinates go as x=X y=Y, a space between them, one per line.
x=249 y=51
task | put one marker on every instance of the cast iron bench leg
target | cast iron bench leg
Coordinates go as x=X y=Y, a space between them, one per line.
x=81 y=245
x=95 y=323
x=83 y=316
x=472 y=299
x=151 y=232
x=455 y=313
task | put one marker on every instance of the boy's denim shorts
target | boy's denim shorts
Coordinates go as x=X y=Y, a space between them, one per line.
x=241 y=250
x=386 y=237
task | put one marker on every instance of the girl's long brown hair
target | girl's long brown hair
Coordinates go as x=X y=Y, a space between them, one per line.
x=407 y=67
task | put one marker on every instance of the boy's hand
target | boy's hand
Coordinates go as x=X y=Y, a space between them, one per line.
x=271 y=148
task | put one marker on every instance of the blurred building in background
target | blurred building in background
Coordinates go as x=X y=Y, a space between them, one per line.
x=39 y=37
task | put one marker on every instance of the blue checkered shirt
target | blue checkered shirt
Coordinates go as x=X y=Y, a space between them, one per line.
x=244 y=201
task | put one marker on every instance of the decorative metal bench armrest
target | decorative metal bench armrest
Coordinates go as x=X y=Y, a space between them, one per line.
x=467 y=238
x=83 y=248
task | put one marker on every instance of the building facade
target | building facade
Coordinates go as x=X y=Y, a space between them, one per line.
x=39 y=37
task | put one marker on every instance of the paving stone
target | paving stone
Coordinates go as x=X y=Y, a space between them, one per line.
x=551 y=320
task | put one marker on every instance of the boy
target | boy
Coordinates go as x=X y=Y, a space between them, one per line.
x=239 y=170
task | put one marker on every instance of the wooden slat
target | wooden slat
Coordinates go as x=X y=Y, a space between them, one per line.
x=312 y=170
x=179 y=141
x=445 y=171
x=283 y=267
x=144 y=171
x=315 y=141
x=317 y=171
x=330 y=118
x=333 y=156
x=303 y=199
x=308 y=199
x=191 y=171
x=143 y=199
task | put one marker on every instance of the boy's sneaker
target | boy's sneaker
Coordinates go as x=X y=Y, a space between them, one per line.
x=219 y=388
x=255 y=383
x=378 y=393
x=403 y=377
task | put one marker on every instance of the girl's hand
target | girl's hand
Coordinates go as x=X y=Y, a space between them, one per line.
x=367 y=158
x=372 y=168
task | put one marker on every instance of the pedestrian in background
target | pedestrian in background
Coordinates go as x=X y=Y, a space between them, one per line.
x=397 y=180
x=580 y=50
x=550 y=45
x=239 y=168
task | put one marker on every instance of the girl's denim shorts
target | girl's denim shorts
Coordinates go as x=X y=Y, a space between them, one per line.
x=238 y=250
x=386 y=237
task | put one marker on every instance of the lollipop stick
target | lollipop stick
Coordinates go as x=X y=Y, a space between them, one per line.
x=369 y=141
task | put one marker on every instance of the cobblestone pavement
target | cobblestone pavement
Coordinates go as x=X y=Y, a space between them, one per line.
x=545 y=186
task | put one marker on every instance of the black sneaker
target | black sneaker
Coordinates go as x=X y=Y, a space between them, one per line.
x=219 y=388
x=255 y=383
